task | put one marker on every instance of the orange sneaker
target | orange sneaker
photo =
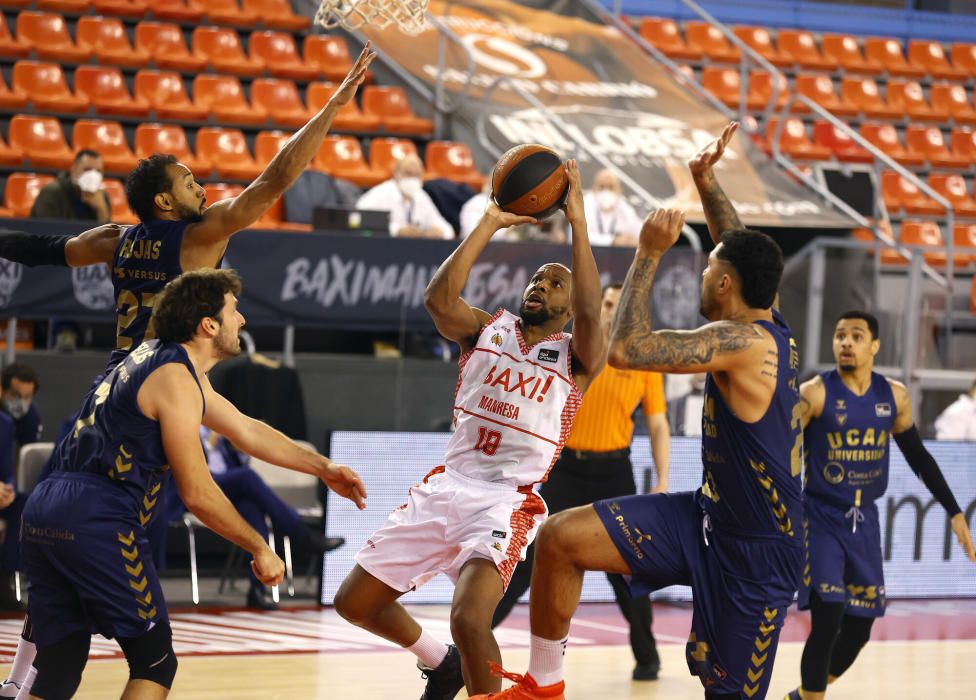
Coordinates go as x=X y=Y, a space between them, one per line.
x=525 y=687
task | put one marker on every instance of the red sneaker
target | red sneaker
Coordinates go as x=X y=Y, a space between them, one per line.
x=525 y=687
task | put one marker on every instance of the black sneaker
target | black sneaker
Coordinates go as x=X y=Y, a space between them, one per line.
x=445 y=681
x=646 y=672
x=259 y=598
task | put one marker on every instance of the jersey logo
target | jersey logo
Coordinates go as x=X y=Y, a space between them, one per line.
x=840 y=405
x=833 y=473
x=548 y=355
x=498 y=534
x=882 y=410
x=841 y=419
x=497 y=339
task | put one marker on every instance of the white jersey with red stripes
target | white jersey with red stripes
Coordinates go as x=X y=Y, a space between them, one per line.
x=513 y=406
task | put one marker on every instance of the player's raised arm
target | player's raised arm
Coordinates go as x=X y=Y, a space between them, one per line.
x=812 y=397
x=719 y=212
x=96 y=245
x=455 y=319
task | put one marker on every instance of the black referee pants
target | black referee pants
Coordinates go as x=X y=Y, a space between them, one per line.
x=578 y=482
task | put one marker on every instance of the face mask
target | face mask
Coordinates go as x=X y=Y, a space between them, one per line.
x=17 y=408
x=410 y=186
x=90 y=181
x=607 y=199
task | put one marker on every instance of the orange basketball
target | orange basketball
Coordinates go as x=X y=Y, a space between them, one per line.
x=530 y=180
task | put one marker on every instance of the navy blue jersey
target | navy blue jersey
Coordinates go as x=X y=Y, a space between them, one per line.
x=847 y=445
x=147 y=257
x=751 y=481
x=112 y=438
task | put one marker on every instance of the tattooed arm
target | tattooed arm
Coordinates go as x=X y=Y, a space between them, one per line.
x=719 y=212
x=812 y=397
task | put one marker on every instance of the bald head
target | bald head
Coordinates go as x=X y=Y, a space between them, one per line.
x=606 y=180
x=408 y=166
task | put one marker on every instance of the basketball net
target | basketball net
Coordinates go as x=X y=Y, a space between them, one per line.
x=408 y=15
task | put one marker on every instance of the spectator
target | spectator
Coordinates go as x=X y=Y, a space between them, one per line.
x=75 y=194
x=958 y=421
x=18 y=386
x=412 y=211
x=609 y=217
x=473 y=209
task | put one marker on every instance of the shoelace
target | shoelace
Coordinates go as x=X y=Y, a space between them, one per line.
x=856 y=515
x=516 y=678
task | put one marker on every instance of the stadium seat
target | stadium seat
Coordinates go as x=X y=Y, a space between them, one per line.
x=953 y=188
x=223 y=51
x=452 y=161
x=342 y=157
x=954 y=101
x=41 y=140
x=665 y=36
x=330 y=55
x=909 y=97
x=840 y=144
x=274 y=218
x=964 y=236
x=217 y=191
x=105 y=37
x=885 y=137
x=725 y=84
x=9 y=155
x=972 y=297
x=390 y=104
x=105 y=87
x=227 y=150
x=229 y=12
x=75 y=6
x=349 y=118
x=165 y=92
x=801 y=49
x=794 y=141
x=705 y=37
x=48 y=34
x=121 y=214
x=888 y=52
x=931 y=56
x=384 y=154
x=21 y=191
x=281 y=100
x=277 y=14
x=267 y=144
x=864 y=93
x=125 y=8
x=760 y=40
x=224 y=97
x=761 y=88
x=964 y=56
x=177 y=10
x=276 y=50
x=928 y=141
x=170 y=138
x=164 y=42
x=927 y=233
x=11 y=47
x=901 y=195
x=844 y=49
x=820 y=89
x=963 y=140
x=46 y=87
x=108 y=139
x=11 y=98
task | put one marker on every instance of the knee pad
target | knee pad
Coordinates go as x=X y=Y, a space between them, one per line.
x=59 y=667
x=151 y=656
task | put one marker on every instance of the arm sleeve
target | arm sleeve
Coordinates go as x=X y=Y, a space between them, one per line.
x=923 y=464
x=653 y=402
x=33 y=249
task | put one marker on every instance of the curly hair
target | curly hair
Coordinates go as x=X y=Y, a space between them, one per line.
x=146 y=180
x=758 y=261
x=190 y=298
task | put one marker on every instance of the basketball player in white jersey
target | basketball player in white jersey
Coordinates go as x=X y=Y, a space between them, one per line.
x=521 y=380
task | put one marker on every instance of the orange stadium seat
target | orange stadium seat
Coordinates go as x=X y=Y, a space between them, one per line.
x=106 y=38
x=281 y=100
x=391 y=105
x=725 y=84
x=277 y=14
x=964 y=56
x=665 y=36
x=760 y=40
x=45 y=85
x=108 y=139
x=48 y=34
x=126 y=8
x=928 y=141
x=761 y=88
x=964 y=236
x=963 y=140
x=820 y=89
x=453 y=161
x=276 y=50
x=794 y=141
x=931 y=56
x=76 y=6
x=227 y=150
x=844 y=49
x=177 y=10
x=10 y=155
x=217 y=191
x=864 y=93
x=165 y=92
x=953 y=188
x=121 y=213
x=953 y=101
x=229 y=12
x=105 y=87
x=384 y=154
x=901 y=195
x=267 y=144
x=21 y=191
x=888 y=52
x=223 y=51
x=169 y=138
x=11 y=98
x=841 y=145
x=705 y=37
x=164 y=42
x=330 y=55
x=224 y=97
x=342 y=157
x=909 y=97
x=11 y=47
x=41 y=140
x=274 y=218
x=801 y=49
x=927 y=233
x=885 y=137
x=349 y=118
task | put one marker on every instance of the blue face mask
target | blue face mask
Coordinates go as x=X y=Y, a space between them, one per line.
x=17 y=408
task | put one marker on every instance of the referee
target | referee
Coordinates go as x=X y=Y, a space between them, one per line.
x=595 y=464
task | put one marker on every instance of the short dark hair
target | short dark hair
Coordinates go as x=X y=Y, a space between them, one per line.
x=146 y=180
x=615 y=284
x=20 y=372
x=870 y=319
x=190 y=298
x=85 y=153
x=758 y=261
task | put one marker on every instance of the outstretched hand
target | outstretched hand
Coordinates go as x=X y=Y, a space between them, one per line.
x=355 y=76
x=964 y=537
x=574 y=201
x=346 y=483
x=502 y=219
x=706 y=158
x=660 y=231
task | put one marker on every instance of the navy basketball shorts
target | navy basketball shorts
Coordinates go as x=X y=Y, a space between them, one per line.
x=842 y=561
x=742 y=586
x=88 y=562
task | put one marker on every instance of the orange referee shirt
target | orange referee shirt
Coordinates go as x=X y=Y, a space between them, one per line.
x=603 y=422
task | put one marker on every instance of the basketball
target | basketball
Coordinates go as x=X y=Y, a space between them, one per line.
x=530 y=180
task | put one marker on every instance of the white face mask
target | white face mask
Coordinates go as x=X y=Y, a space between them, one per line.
x=410 y=186
x=607 y=199
x=90 y=181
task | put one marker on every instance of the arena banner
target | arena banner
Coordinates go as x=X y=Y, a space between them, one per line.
x=350 y=281
x=609 y=95
x=921 y=557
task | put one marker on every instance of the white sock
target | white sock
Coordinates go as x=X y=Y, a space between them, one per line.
x=26 y=651
x=546 y=660
x=25 y=689
x=428 y=650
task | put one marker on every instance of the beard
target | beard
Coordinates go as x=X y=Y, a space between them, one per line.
x=188 y=214
x=847 y=366
x=534 y=317
x=227 y=345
